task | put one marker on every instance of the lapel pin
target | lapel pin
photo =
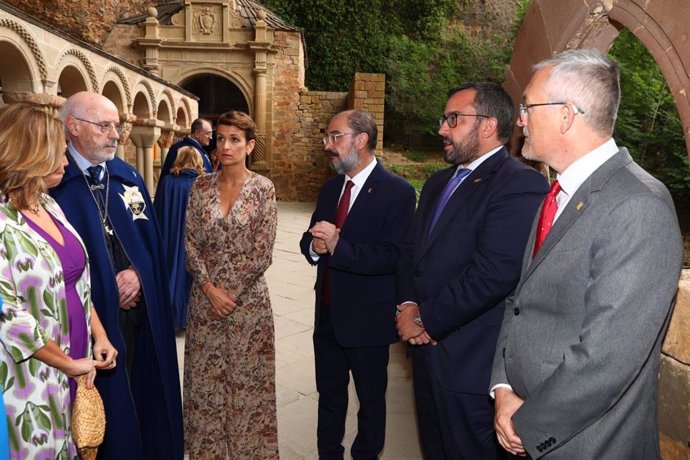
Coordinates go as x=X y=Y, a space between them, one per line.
x=477 y=180
x=370 y=190
x=580 y=205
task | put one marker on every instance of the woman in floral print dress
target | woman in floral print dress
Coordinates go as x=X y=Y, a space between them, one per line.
x=229 y=375
x=46 y=319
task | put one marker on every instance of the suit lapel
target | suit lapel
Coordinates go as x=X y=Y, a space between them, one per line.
x=365 y=195
x=462 y=196
x=331 y=200
x=434 y=195
x=575 y=208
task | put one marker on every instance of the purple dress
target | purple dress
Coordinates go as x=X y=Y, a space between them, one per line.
x=73 y=262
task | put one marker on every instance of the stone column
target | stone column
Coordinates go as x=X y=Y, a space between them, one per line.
x=151 y=42
x=166 y=140
x=261 y=46
x=145 y=134
x=126 y=120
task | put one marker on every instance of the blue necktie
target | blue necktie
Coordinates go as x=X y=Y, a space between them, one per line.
x=95 y=172
x=452 y=184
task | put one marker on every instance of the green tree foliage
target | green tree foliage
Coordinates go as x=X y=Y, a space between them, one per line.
x=648 y=122
x=418 y=44
x=342 y=36
x=420 y=72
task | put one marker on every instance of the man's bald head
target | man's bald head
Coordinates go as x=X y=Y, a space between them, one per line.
x=92 y=125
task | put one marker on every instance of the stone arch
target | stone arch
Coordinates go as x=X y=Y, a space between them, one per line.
x=80 y=59
x=30 y=42
x=114 y=92
x=186 y=107
x=166 y=107
x=16 y=71
x=121 y=81
x=551 y=27
x=71 y=80
x=144 y=99
x=164 y=112
x=244 y=88
x=182 y=118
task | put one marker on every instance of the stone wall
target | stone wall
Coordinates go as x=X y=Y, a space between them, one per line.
x=368 y=93
x=122 y=43
x=674 y=379
x=298 y=167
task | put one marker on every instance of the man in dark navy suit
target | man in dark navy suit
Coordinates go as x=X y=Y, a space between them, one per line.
x=200 y=136
x=355 y=238
x=462 y=258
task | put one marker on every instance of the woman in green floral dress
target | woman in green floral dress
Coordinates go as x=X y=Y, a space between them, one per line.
x=40 y=299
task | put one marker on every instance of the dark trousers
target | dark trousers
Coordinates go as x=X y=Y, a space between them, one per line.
x=130 y=323
x=452 y=425
x=369 y=371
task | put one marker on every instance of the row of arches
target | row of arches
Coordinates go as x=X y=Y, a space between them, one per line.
x=31 y=67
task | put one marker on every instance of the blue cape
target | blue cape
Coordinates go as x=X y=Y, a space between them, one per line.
x=144 y=415
x=172 y=156
x=171 y=209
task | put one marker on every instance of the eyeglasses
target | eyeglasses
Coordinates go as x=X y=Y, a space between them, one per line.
x=333 y=138
x=525 y=107
x=452 y=118
x=105 y=126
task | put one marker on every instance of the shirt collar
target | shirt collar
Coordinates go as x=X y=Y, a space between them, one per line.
x=82 y=163
x=475 y=164
x=362 y=176
x=578 y=172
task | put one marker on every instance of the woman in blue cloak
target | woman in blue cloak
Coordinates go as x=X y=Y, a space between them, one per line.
x=171 y=208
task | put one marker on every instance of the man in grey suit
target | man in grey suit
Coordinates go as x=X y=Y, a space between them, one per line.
x=575 y=370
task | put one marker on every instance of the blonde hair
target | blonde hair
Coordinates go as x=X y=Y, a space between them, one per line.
x=187 y=158
x=32 y=143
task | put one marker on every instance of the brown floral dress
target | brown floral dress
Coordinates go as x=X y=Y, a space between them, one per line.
x=229 y=367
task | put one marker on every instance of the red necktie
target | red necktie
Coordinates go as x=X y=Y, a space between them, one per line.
x=340 y=216
x=343 y=205
x=548 y=213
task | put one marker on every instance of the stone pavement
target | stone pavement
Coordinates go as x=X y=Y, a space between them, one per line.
x=291 y=284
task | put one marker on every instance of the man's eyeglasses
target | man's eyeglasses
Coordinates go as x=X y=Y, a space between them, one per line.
x=105 y=126
x=452 y=118
x=525 y=107
x=333 y=138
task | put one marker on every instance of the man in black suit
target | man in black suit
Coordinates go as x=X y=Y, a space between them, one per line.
x=355 y=238
x=200 y=137
x=462 y=259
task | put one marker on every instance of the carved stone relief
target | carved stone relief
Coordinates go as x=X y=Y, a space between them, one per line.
x=206 y=22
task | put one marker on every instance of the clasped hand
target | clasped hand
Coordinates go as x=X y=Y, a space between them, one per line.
x=325 y=237
x=104 y=359
x=408 y=330
x=223 y=302
x=129 y=287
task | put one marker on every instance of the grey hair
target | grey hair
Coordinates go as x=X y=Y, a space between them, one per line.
x=359 y=122
x=71 y=108
x=588 y=79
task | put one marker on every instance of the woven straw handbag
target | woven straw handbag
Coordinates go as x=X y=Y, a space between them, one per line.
x=88 y=420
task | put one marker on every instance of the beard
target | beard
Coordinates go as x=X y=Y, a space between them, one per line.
x=345 y=164
x=465 y=151
x=106 y=152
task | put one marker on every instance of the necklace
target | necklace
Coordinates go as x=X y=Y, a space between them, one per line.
x=35 y=209
x=102 y=213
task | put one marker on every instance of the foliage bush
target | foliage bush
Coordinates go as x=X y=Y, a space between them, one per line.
x=648 y=123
